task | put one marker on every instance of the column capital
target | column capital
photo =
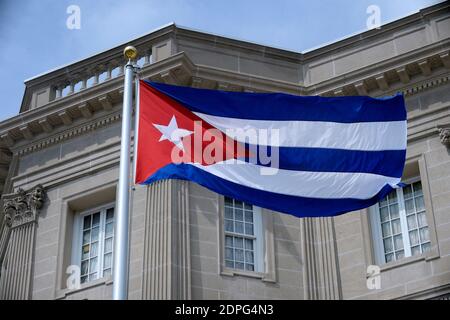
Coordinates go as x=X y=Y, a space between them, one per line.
x=444 y=135
x=22 y=207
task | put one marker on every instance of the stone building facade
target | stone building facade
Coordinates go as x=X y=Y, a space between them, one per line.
x=59 y=170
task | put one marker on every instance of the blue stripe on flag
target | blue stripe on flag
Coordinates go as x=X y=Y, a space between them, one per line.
x=297 y=206
x=387 y=163
x=281 y=106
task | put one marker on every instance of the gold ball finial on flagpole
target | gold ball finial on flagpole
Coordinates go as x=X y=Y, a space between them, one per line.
x=130 y=52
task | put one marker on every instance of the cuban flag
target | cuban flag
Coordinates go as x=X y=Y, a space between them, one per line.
x=305 y=156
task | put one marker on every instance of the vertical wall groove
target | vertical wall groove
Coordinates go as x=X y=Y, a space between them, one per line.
x=320 y=255
x=17 y=269
x=166 y=248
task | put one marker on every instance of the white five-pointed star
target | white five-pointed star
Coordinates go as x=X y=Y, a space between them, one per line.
x=172 y=133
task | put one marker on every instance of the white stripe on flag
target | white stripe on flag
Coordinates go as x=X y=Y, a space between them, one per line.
x=327 y=185
x=367 y=136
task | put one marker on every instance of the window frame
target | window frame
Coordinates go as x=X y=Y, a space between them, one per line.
x=257 y=237
x=267 y=246
x=77 y=241
x=375 y=221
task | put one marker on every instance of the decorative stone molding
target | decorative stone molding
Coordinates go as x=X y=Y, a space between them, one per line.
x=444 y=135
x=71 y=133
x=23 y=206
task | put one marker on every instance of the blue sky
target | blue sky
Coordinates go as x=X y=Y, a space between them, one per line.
x=34 y=37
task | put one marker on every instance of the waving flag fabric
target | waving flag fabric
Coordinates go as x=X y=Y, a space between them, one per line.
x=305 y=156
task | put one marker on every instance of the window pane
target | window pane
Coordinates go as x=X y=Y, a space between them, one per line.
x=393 y=209
x=414 y=237
x=248 y=244
x=238 y=242
x=87 y=222
x=84 y=267
x=107 y=261
x=417 y=188
x=93 y=265
x=93 y=276
x=228 y=241
x=398 y=242
x=229 y=225
x=412 y=223
x=238 y=204
x=96 y=219
x=409 y=206
x=396 y=227
x=109 y=214
x=424 y=235
x=415 y=250
x=86 y=237
x=384 y=214
x=249 y=228
x=383 y=202
x=248 y=206
x=229 y=254
x=84 y=279
x=108 y=245
x=239 y=227
x=426 y=247
x=399 y=254
x=238 y=214
x=421 y=217
x=386 y=229
x=392 y=197
x=229 y=264
x=249 y=267
x=407 y=192
x=94 y=249
x=109 y=229
x=85 y=251
x=228 y=201
x=388 y=245
x=389 y=257
x=95 y=232
x=239 y=265
x=239 y=255
x=249 y=257
x=106 y=273
x=420 y=206
x=248 y=216
x=228 y=213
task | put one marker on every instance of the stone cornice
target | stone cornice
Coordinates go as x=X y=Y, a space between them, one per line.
x=20 y=131
x=70 y=133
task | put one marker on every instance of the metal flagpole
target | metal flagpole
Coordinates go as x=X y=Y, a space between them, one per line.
x=136 y=125
x=120 y=268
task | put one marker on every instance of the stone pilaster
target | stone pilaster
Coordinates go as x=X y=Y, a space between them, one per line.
x=21 y=211
x=167 y=266
x=321 y=276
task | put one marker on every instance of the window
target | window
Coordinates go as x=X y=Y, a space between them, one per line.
x=94 y=234
x=243 y=236
x=400 y=225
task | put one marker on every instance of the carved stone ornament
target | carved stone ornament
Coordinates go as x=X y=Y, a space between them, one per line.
x=444 y=135
x=23 y=206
